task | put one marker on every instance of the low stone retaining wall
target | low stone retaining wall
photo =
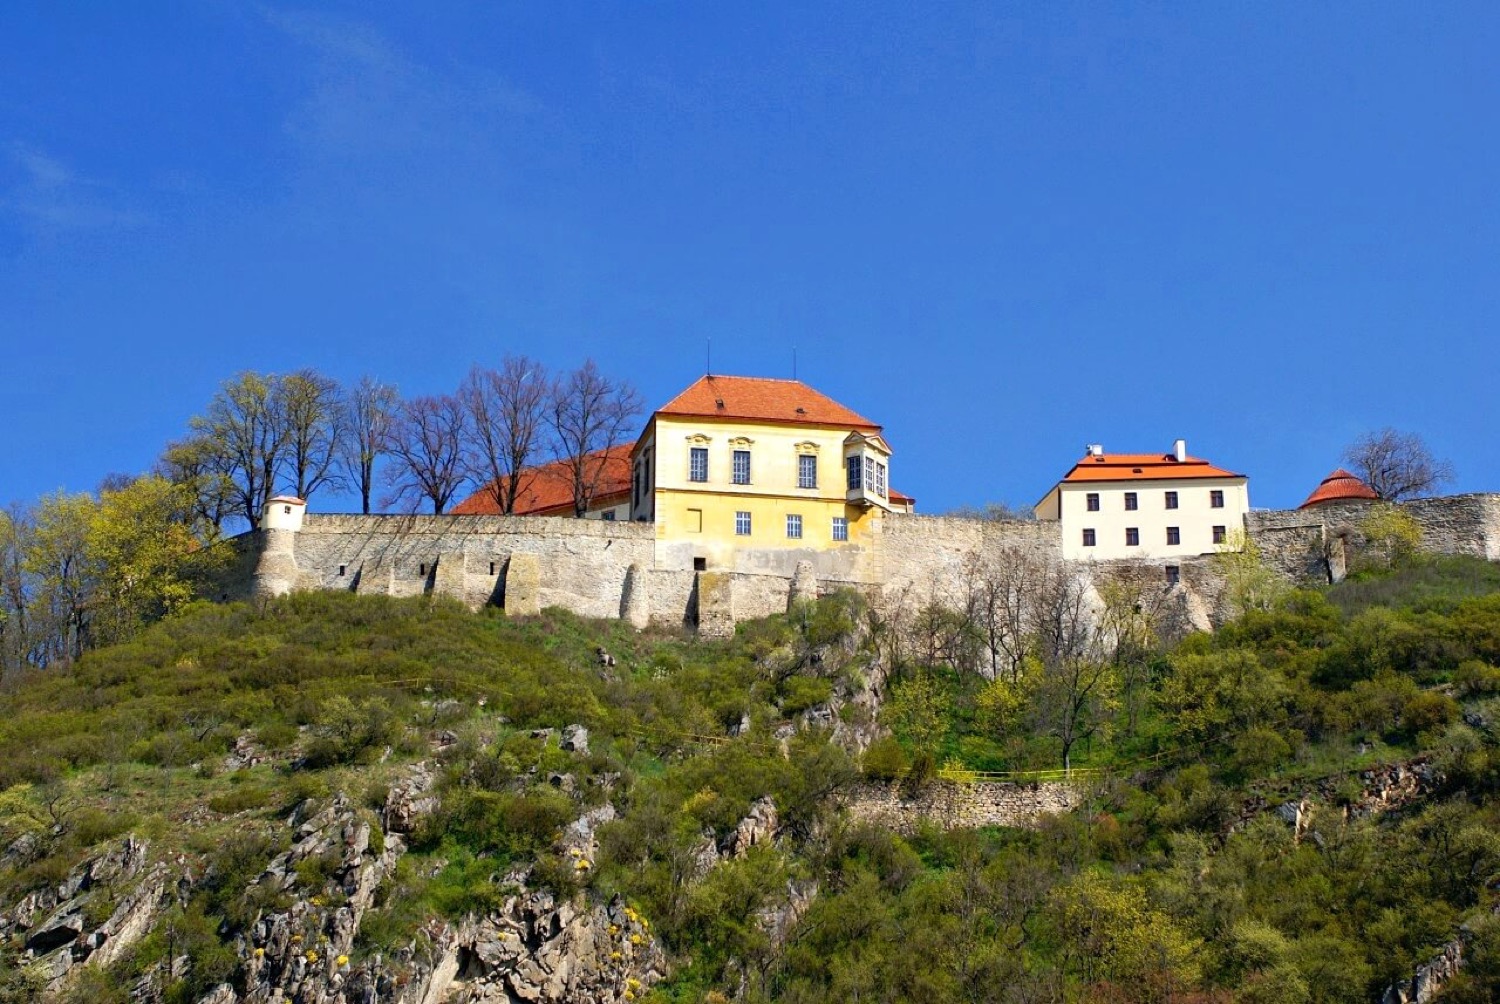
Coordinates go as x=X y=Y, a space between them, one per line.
x=957 y=806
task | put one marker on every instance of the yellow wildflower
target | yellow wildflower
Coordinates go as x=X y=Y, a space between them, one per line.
x=343 y=960
x=312 y=956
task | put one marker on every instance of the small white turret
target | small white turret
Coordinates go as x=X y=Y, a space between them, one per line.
x=284 y=512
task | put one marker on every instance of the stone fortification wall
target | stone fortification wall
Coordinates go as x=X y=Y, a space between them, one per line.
x=929 y=557
x=1459 y=524
x=956 y=806
x=1317 y=544
x=598 y=568
x=544 y=561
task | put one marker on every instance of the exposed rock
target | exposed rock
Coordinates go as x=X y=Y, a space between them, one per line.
x=759 y=826
x=575 y=739
x=62 y=928
x=410 y=799
x=245 y=753
x=1428 y=979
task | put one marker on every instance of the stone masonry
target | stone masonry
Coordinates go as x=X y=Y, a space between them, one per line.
x=598 y=568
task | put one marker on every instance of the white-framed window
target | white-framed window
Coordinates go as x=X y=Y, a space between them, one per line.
x=793 y=526
x=807 y=471
x=742 y=467
x=880 y=488
x=855 y=466
x=840 y=528
x=698 y=463
x=742 y=523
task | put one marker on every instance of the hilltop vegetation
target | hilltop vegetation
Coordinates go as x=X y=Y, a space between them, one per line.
x=1176 y=881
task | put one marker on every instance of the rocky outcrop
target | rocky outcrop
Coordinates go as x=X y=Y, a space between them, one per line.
x=53 y=923
x=1384 y=788
x=535 y=948
x=1428 y=979
x=410 y=799
x=539 y=949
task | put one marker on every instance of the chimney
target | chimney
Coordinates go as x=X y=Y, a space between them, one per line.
x=1179 y=450
x=1095 y=449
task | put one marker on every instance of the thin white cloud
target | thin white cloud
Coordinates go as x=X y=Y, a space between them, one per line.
x=367 y=96
x=51 y=198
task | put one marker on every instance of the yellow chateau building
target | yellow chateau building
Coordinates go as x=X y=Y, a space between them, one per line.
x=750 y=474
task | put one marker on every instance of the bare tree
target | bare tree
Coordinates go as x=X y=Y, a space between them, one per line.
x=589 y=412
x=1072 y=699
x=368 y=410
x=1397 y=465
x=1000 y=605
x=507 y=410
x=426 y=446
x=246 y=439
x=308 y=406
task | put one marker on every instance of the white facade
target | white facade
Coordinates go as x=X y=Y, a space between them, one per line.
x=1145 y=506
x=1196 y=519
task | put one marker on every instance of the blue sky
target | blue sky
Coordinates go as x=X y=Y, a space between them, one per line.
x=1003 y=231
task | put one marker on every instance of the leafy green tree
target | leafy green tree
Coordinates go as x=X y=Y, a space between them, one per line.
x=65 y=576
x=148 y=557
x=311 y=409
x=246 y=437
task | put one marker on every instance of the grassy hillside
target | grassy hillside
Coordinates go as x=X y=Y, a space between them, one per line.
x=1177 y=881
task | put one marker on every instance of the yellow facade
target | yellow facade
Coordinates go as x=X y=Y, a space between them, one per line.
x=704 y=517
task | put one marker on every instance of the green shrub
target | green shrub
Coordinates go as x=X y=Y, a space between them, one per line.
x=802 y=692
x=885 y=760
x=241 y=800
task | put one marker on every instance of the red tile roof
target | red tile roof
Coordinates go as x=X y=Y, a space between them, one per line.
x=761 y=399
x=1340 y=486
x=548 y=490
x=901 y=497
x=1143 y=467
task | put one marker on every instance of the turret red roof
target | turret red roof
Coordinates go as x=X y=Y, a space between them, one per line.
x=1340 y=486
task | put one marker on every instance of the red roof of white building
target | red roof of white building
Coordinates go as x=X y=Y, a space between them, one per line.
x=1143 y=467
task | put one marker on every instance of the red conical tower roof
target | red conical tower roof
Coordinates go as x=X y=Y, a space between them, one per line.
x=1340 y=486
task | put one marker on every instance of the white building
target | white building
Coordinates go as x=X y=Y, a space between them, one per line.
x=1145 y=505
